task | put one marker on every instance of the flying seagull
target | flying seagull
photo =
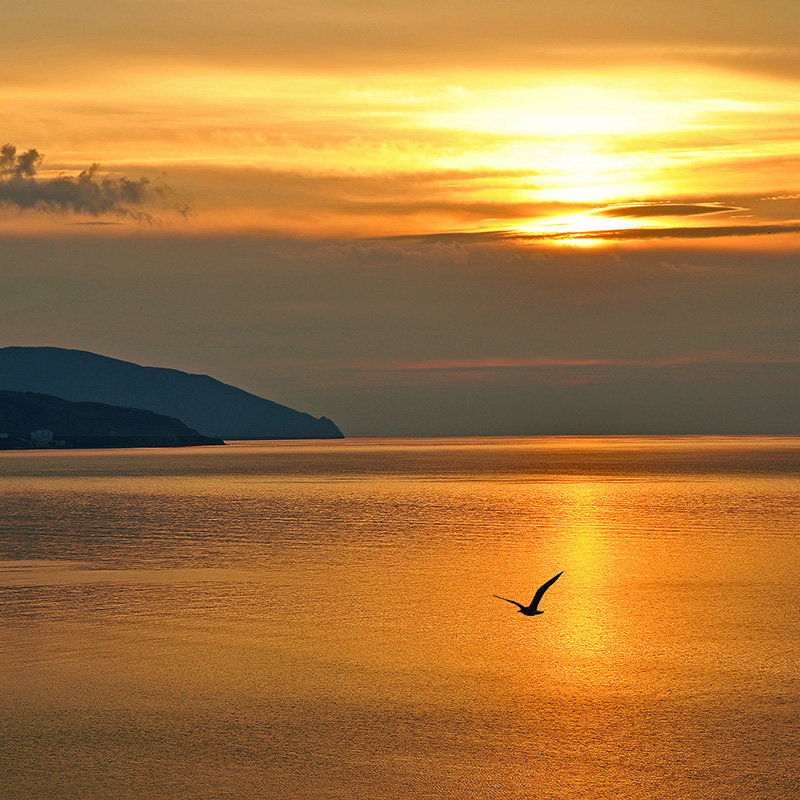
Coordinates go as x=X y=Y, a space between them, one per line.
x=533 y=609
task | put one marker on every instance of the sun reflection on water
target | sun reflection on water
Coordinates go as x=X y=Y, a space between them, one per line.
x=590 y=632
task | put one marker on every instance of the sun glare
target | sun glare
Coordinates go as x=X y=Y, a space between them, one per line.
x=578 y=112
x=577 y=144
x=583 y=172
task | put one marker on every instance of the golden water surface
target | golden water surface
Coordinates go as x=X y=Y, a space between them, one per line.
x=315 y=620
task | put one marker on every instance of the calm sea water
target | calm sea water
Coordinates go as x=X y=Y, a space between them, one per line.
x=316 y=620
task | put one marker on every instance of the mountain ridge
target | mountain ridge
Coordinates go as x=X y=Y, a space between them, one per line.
x=200 y=401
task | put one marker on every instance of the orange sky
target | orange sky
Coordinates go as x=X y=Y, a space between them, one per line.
x=364 y=121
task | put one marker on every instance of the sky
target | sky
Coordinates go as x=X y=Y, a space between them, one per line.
x=417 y=218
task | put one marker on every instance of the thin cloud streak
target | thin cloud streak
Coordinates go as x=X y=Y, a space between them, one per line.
x=705 y=232
x=554 y=361
x=663 y=209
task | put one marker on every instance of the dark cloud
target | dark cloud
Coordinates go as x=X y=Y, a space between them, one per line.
x=88 y=193
x=18 y=165
x=663 y=209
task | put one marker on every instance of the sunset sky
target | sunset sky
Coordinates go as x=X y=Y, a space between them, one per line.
x=417 y=218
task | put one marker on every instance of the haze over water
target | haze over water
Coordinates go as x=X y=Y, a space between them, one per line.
x=315 y=620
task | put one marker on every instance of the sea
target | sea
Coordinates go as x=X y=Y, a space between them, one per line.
x=315 y=620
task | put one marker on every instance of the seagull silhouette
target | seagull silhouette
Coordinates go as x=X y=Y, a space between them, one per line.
x=533 y=609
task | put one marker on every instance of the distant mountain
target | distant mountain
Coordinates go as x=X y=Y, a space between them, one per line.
x=28 y=419
x=201 y=402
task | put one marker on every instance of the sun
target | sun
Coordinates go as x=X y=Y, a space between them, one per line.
x=568 y=229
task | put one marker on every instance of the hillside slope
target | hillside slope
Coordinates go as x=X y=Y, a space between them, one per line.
x=29 y=419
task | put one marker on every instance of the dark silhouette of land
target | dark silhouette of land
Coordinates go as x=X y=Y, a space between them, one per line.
x=201 y=402
x=533 y=609
x=30 y=420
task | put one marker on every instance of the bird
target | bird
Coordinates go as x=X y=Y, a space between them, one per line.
x=533 y=609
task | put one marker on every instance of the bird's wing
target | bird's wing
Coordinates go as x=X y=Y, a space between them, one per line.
x=508 y=601
x=541 y=590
